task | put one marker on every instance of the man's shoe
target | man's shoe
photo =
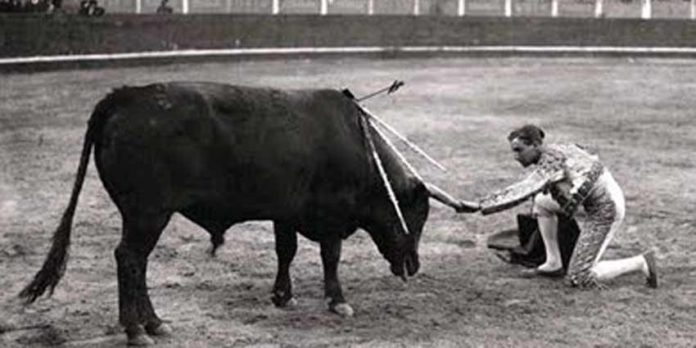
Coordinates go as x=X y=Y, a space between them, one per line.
x=652 y=269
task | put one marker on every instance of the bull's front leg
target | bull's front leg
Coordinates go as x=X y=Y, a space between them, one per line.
x=286 y=247
x=330 y=256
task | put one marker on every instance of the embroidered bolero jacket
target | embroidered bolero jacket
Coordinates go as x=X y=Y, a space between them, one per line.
x=567 y=171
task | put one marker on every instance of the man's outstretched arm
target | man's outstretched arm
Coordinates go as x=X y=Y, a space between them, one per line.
x=519 y=192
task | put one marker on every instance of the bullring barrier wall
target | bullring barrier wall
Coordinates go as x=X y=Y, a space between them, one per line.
x=42 y=35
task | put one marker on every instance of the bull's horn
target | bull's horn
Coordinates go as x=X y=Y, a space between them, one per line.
x=441 y=196
x=445 y=198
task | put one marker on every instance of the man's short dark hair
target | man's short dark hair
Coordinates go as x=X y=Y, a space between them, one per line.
x=529 y=134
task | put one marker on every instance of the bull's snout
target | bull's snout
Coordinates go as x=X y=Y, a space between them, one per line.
x=412 y=263
x=397 y=269
x=405 y=263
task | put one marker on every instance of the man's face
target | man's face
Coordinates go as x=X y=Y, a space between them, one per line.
x=524 y=153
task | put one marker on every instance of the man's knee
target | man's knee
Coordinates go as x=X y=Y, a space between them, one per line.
x=545 y=206
x=581 y=278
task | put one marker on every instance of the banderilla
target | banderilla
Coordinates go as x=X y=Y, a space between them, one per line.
x=391 y=89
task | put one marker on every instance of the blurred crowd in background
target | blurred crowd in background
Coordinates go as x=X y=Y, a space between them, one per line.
x=569 y=8
x=87 y=7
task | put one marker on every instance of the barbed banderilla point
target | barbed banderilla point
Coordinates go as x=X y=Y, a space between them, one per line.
x=391 y=89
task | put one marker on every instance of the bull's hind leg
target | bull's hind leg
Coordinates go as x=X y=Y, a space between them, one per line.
x=140 y=234
x=286 y=247
x=330 y=256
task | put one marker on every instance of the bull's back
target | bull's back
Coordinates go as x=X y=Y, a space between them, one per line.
x=252 y=151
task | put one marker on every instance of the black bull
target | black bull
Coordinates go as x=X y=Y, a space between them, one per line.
x=220 y=155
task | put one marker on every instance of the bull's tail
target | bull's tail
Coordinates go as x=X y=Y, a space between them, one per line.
x=54 y=265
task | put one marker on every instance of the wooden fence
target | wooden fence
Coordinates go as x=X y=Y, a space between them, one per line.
x=646 y=9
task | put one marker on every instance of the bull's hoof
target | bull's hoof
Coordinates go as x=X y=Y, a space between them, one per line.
x=283 y=300
x=342 y=309
x=140 y=340
x=284 y=303
x=160 y=330
x=292 y=303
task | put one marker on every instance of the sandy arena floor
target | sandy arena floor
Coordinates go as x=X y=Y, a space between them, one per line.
x=638 y=114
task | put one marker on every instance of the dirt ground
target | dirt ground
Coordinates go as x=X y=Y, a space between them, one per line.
x=637 y=113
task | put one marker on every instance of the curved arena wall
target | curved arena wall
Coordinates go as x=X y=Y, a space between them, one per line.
x=41 y=35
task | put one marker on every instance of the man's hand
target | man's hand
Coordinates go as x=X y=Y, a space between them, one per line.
x=467 y=207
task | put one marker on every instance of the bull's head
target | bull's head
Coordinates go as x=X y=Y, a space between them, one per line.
x=383 y=225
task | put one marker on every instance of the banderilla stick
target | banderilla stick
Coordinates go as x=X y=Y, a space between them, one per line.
x=391 y=89
x=402 y=138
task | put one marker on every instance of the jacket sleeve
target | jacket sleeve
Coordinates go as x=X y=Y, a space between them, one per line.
x=517 y=193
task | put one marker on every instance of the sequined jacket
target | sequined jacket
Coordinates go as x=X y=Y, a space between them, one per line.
x=567 y=171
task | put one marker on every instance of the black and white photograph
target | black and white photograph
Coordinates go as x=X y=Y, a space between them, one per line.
x=347 y=173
